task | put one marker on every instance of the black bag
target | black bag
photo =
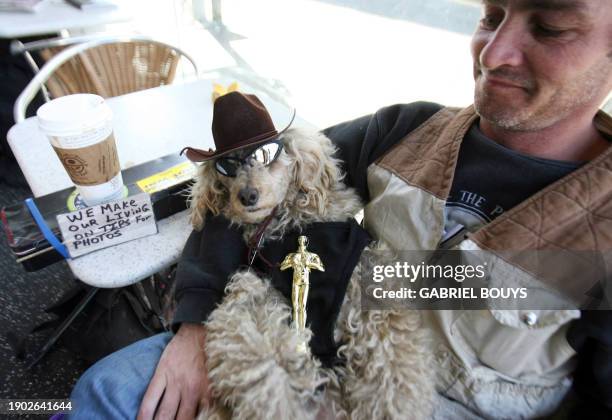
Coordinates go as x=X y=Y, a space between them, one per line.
x=113 y=319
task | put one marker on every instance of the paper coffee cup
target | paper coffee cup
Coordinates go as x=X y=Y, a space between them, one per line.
x=80 y=130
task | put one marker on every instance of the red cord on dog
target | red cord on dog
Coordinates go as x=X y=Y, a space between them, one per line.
x=254 y=242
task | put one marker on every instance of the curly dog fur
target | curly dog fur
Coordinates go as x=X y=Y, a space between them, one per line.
x=254 y=369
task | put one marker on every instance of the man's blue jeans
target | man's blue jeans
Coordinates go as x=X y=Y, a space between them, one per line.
x=113 y=388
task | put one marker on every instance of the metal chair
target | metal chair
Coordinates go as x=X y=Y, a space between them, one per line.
x=107 y=66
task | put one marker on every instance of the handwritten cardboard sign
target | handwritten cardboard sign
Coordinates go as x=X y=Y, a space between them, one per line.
x=108 y=224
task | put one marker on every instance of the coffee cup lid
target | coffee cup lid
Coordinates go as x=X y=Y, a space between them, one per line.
x=71 y=114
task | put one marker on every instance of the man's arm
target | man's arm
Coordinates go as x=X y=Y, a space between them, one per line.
x=179 y=387
x=363 y=140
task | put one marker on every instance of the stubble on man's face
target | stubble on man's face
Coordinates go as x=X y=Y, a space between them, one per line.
x=529 y=78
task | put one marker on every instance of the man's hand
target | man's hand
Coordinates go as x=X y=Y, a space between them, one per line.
x=180 y=383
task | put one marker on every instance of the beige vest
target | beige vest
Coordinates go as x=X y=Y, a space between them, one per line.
x=498 y=363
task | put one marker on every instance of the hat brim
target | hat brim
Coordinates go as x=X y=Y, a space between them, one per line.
x=199 y=155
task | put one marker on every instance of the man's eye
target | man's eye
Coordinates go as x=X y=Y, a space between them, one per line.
x=548 y=31
x=490 y=21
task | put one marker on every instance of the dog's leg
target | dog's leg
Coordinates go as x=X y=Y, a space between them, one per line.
x=387 y=373
x=253 y=364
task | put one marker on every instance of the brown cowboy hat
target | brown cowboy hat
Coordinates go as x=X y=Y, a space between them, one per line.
x=239 y=120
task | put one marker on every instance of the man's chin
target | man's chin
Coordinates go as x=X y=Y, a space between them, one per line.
x=507 y=115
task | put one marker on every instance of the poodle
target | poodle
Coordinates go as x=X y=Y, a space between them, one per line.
x=254 y=368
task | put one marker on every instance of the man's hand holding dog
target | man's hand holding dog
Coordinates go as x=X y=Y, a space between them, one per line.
x=179 y=388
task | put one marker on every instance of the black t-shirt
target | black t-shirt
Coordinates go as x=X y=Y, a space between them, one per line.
x=490 y=179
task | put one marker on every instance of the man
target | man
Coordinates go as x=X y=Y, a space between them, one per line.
x=542 y=68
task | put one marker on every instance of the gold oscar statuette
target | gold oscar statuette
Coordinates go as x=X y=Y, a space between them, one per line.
x=301 y=261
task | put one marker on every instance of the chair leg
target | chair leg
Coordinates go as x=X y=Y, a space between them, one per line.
x=62 y=327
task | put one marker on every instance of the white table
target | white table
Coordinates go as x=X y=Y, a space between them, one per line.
x=56 y=15
x=147 y=124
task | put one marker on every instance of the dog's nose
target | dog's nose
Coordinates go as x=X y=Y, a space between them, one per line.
x=248 y=196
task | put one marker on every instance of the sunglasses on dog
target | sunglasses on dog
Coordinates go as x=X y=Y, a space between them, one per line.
x=264 y=154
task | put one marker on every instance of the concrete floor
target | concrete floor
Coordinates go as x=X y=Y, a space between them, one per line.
x=23 y=298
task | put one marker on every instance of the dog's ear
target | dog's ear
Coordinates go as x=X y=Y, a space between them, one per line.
x=315 y=172
x=206 y=195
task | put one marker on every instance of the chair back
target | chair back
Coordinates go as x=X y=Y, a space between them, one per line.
x=105 y=66
x=113 y=70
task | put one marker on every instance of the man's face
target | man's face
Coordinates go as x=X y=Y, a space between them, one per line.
x=537 y=62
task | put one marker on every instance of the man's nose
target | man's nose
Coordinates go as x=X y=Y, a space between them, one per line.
x=504 y=47
x=248 y=196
